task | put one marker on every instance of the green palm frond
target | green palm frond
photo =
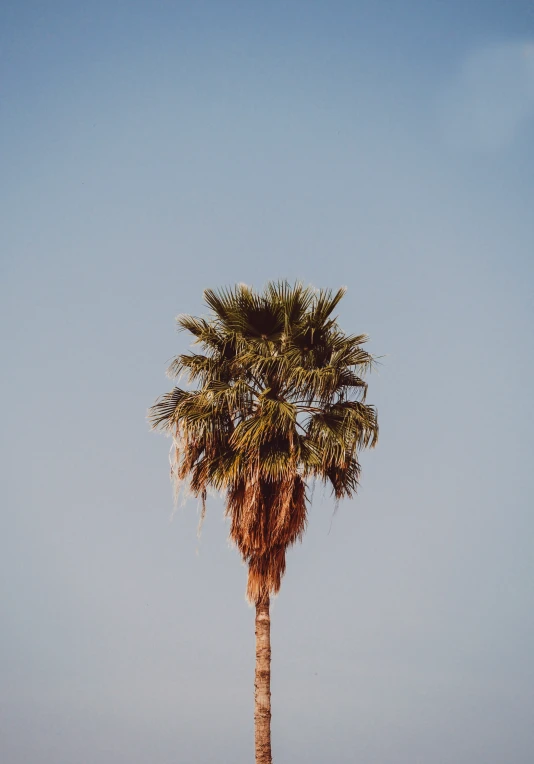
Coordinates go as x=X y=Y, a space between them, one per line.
x=163 y=414
x=324 y=304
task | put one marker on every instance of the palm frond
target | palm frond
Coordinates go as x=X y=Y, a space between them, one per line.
x=163 y=413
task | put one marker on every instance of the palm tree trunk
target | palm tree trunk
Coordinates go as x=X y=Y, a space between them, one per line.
x=262 y=684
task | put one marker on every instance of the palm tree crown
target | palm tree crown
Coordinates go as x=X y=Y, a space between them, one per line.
x=276 y=399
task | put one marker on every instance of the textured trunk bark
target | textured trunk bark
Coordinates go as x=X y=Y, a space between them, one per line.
x=262 y=684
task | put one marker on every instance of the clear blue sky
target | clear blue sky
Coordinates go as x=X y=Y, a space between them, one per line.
x=152 y=149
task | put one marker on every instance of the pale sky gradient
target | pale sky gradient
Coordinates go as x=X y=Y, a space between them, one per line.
x=152 y=149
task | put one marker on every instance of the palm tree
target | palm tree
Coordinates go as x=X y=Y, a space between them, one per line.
x=276 y=400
